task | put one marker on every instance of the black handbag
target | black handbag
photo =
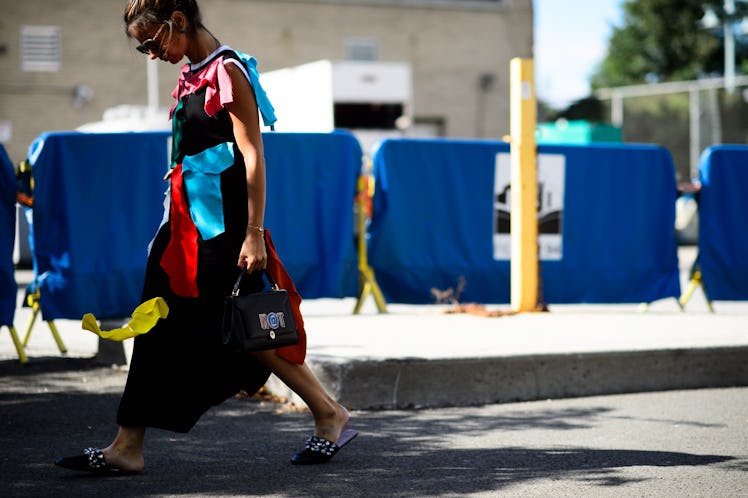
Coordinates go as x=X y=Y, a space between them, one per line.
x=258 y=321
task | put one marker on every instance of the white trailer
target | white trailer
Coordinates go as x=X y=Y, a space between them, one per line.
x=374 y=100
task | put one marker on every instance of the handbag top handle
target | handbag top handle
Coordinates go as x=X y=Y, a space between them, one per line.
x=242 y=272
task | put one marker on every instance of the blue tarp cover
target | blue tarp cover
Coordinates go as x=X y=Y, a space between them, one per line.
x=97 y=203
x=433 y=223
x=99 y=198
x=7 y=239
x=723 y=222
x=310 y=192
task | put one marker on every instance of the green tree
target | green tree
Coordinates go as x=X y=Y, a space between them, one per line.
x=665 y=40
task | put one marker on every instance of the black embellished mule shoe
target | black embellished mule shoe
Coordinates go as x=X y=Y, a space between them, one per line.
x=92 y=460
x=320 y=450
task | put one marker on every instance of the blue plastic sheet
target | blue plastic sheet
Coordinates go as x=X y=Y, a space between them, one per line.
x=723 y=222
x=97 y=203
x=7 y=238
x=434 y=223
x=99 y=199
x=311 y=187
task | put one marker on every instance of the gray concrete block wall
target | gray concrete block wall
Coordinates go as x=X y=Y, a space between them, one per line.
x=448 y=48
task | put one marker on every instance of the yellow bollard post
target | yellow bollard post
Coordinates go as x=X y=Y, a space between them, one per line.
x=524 y=187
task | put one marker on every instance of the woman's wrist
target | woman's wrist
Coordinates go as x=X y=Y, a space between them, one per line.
x=255 y=228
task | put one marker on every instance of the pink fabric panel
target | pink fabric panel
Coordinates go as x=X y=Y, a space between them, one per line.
x=214 y=76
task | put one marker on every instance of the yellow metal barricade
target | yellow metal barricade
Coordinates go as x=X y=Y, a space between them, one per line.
x=17 y=343
x=366 y=274
x=32 y=300
x=695 y=281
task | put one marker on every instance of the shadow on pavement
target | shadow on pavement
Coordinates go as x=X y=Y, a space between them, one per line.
x=46 y=364
x=242 y=448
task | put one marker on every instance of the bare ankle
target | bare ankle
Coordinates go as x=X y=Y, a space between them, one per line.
x=125 y=453
x=130 y=460
x=330 y=424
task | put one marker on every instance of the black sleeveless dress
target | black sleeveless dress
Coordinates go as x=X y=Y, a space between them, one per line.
x=179 y=369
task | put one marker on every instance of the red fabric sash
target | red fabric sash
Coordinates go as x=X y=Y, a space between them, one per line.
x=297 y=352
x=180 y=257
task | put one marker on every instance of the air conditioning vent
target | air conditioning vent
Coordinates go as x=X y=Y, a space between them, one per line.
x=40 y=48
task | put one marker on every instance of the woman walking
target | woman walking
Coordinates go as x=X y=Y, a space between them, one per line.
x=214 y=227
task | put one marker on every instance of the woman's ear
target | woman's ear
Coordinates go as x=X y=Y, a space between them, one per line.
x=180 y=21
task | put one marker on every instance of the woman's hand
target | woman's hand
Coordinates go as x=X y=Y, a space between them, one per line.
x=253 y=255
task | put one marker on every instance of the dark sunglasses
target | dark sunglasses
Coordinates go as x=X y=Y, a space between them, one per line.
x=151 y=46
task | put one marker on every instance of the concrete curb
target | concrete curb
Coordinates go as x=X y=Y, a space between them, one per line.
x=434 y=383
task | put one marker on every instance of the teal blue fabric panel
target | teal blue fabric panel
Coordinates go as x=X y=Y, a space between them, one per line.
x=202 y=181
x=263 y=102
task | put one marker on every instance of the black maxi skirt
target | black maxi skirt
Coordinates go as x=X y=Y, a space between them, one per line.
x=180 y=369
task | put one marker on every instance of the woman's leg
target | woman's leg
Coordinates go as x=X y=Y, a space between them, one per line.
x=126 y=451
x=330 y=416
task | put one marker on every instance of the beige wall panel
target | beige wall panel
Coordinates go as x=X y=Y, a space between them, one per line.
x=448 y=48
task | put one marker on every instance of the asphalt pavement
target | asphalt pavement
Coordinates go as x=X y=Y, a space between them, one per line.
x=691 y=443
x=448 y=404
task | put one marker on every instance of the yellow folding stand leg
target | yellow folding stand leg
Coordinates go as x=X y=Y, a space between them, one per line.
x=30 y=325
x=696 y=281
x=33 y=301
x=56 y=335
x=369 y=287
x=366 y=274
x=17 y=343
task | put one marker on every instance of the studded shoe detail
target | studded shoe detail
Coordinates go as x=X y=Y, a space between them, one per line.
x=320 y=450
x=92 y=460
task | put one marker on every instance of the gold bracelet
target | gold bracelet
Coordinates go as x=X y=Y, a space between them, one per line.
x=255 y=227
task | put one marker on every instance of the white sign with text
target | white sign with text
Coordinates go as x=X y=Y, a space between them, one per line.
x=551 y=174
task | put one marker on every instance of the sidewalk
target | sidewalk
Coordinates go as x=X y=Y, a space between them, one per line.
x=420 y=356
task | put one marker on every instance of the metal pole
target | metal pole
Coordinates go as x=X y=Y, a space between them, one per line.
x=524 y=185
x=729 y=46
x=152 y=74
x=694 y=130
x=616 y=103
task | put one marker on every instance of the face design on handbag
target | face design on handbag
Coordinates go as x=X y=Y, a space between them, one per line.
x=272 y=321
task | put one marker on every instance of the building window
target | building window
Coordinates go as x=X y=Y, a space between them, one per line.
x=367 y=116
x=40 y=48
x=361 y=49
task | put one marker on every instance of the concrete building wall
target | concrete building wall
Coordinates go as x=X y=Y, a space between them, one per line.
x=451 y=45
